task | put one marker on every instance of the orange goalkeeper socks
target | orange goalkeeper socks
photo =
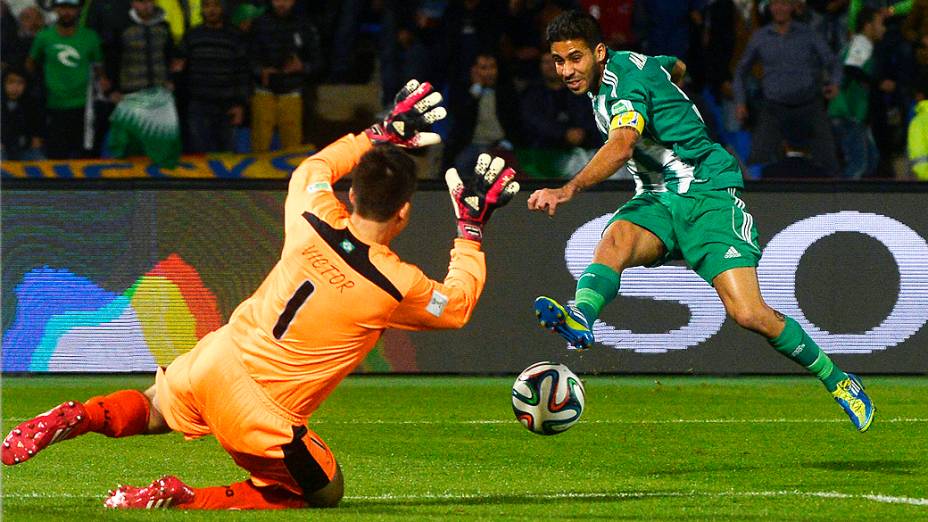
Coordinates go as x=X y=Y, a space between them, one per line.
x=118 y=414
x=243 y=495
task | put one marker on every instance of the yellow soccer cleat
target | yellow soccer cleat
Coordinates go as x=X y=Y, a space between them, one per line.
x=851 y=396
x=568 y=322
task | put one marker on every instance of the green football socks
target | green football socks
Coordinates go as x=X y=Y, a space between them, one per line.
x=596 y=288
x=796 y=344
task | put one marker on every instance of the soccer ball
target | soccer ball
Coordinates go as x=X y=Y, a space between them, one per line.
x=547 y=398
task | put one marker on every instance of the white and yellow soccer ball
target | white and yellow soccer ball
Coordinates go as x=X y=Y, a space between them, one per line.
x=548 y=398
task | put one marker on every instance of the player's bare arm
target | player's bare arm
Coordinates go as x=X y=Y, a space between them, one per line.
x=607 y=160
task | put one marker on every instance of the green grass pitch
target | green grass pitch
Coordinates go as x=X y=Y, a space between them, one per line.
x=412 y=448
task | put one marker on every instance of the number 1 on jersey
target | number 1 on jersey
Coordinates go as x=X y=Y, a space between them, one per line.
x=293 y=305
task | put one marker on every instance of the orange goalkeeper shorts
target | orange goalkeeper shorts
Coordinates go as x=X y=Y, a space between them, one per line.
x=207 y=390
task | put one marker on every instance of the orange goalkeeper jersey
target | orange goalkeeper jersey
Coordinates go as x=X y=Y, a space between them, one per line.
x=330 y=297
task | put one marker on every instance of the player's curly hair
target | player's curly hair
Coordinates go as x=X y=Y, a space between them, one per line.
x=574 y=25
x=383 y=181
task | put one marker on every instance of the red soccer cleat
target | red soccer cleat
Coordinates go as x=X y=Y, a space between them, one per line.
x=32 y=436
x=165 y=492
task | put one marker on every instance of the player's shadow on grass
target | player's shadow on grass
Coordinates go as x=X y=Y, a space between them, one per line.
x=446 y=505
x=891 y=467
x=694 y=470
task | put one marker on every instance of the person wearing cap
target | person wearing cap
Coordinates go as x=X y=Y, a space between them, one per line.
x=244 y=16
x=68 y=55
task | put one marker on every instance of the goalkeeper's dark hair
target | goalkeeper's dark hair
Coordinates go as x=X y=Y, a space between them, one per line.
x=574 y=25
x=383 y=181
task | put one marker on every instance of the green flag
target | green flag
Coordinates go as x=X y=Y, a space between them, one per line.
x=145 y=122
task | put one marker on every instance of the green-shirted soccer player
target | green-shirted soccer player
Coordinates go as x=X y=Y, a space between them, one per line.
x=686 y=203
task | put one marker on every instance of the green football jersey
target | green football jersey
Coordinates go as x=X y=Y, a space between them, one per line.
x=675 y=152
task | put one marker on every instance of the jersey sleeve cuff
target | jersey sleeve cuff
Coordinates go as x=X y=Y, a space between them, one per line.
x=466 y=244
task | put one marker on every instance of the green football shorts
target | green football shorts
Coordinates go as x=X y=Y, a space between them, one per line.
x=711 y=230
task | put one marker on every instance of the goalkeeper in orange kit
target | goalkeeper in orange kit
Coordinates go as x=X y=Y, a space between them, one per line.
x=254 y=382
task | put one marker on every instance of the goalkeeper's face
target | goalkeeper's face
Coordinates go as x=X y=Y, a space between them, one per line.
x=579 y=67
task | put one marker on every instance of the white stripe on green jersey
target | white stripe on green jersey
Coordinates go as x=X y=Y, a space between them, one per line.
x=675 y=152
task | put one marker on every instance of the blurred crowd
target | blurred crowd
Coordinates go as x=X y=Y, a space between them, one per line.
x=814 y=88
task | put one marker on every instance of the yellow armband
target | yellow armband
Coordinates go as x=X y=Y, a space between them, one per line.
x=628 y=119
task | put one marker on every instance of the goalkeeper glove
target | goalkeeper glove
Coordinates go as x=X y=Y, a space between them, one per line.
x=491 y=188
x=415 y=108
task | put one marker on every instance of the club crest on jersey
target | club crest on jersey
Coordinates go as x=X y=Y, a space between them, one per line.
x=622 y=106
x=347 y=246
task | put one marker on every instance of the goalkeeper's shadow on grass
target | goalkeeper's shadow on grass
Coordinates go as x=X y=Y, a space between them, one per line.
x=892 y=467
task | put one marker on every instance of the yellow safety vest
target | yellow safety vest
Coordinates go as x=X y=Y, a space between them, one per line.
x=174 y=15
x=918 y=141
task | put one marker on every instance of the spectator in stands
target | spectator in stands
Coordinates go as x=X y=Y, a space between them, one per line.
x=409 y=39
x=915 y=30
x=67 y=54
x=470 y=27
x=145 y=119
x=243 y=16
x=218 y=79
x=794 y=59
x=485 y=114
x=850 y=109
x=918 y=132
x=181 y=16
x=519 y=42
x=17 y=43
x=21 y=119
x=142 y=54
x=557 y=118
x=797 y=163
x=285 y=51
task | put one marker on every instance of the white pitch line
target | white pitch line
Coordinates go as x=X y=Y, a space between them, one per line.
x=634 y=422
x=879 y=420
x=886 y=499
x=618 y=495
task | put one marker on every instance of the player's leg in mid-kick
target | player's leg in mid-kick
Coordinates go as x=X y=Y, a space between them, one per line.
x=623 y=245
x=740 y=293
